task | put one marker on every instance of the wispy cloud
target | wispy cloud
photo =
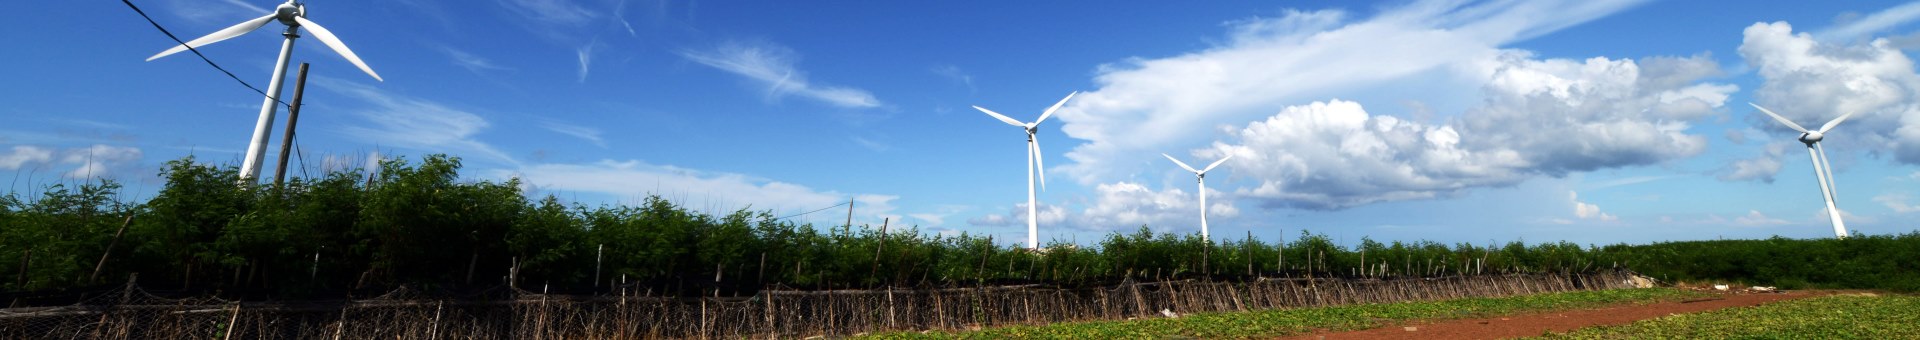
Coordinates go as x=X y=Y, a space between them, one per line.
x=581 y=132
x=216 y=12
x=954 y=73
x=415 y=123
x=585 y=53
x=1873 y=23
x=472 y=62
x=772 y=67
x=1897 y=202
x=551 y=12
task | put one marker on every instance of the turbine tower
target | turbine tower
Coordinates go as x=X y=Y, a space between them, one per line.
x=1822 y=170
x=1034 y=164
x=294 y=16
x=1201 y=175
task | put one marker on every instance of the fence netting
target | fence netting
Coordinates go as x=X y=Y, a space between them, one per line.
x=133 y=313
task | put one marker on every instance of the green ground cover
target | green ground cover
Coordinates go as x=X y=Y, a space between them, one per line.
x=1862 y=316
x=1297 y=321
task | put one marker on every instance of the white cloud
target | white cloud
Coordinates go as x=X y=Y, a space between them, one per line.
x=23 y=155
x=226 y=12
x=585 y=54
x=415 y=123
x=1754 y=218
x=772 y=66
x=1873 y=23
x=1761 y=168
x=1897 y=202
x=1051 y=216
x=954 y=73
x=1821 y=217
x=1438 y=49
x=551 y=12
x=97 y=160
x=1587 y=211
x=581 y=132
x=471 y=62
x=1812 y=82
x=1538 y=118
x=700 y=189
x=1124 y=205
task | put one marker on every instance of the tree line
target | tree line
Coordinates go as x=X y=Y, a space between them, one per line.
x=418 y=224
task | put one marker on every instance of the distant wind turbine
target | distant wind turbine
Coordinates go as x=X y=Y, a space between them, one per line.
x=1201 y=175
x=294 y=16
x=1822 y=170
x=1034 y=164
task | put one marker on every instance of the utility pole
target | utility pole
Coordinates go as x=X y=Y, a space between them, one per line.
x=293 y=117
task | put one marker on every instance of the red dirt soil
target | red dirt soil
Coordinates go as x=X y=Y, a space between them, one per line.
x=1510 y=326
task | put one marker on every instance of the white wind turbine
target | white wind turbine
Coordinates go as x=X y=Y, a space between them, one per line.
x=294 y=16
x=1201 y=175
x=1034 y=164
x=1822 y=171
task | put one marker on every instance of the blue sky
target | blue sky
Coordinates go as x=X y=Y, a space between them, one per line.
x=1454 y=121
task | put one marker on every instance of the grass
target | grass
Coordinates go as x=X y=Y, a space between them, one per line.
x=1274 y=323
x=1858 y=316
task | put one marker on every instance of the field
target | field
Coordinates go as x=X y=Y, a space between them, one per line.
x=1844 y=316
x=1275 y=323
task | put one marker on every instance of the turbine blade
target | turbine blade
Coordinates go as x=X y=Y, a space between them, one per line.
x=1183 y=165
x=1056 y=106
x=327 y=37
x=1217 y=163
x=1777 y=117
x=1835 y=121
x=1039 y=164
x=1002 y=118
x=223 y=34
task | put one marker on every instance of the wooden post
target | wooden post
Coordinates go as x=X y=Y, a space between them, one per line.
x=598 y=255
x=231 y=320
x=103 y=254
x=26 y=259
x=876 y=251
x=293 y=117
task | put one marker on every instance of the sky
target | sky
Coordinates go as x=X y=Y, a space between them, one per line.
x=1588 y=121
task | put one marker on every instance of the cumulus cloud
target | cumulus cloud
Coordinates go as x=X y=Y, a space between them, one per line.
x=1437 y=49
x=1587 y=211
x=632 y=178
x=1050 y=215
x=1811 y=82
x=772 y=66
x=23 y=155
x=1538 y=118
x=415 y=123
x=96 y=161
x=1761 y=168
x=1754 y=218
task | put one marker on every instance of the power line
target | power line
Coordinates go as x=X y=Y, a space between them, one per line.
x=810 y=212
x=163 y=30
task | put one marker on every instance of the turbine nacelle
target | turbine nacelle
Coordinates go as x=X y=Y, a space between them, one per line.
x=287 y=11
x=1812 y=137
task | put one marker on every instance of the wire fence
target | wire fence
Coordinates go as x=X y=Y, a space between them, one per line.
x=133 y=313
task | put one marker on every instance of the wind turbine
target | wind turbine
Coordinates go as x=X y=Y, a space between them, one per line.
x=1033 y=164
x=294 y=16
x=1201 y=175
x=1821 y=169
